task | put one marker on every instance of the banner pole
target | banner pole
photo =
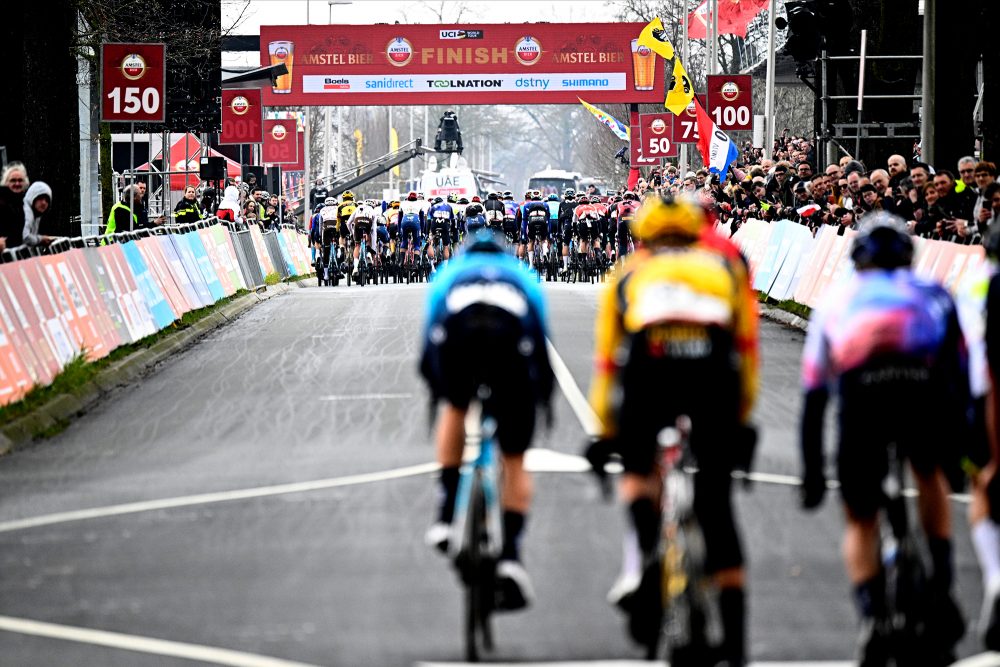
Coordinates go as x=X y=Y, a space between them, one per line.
x=684 y=50
x=861 y=91
x=131 y=161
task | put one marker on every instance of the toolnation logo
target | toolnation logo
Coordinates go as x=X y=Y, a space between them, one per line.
x=399 y=51
x=730 y=91
x=240 y=105
x=528 y=50
x=133 y=67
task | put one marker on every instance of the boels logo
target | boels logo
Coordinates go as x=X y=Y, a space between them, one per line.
x=133 y=67
x=528 y=50
x=240 y=105
x=399 y=51
x=658 y=126
x=730 y=91
x=278 y=133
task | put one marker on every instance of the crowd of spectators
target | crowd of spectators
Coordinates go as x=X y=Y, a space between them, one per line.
x=937 y=203
x=22 y=206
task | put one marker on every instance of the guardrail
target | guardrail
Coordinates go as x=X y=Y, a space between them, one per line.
x=89 y=295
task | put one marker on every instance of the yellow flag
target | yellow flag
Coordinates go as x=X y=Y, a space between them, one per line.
x=681 y=91
x=654 y=37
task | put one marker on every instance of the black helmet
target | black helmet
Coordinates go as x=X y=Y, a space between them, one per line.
x=438 y=200
x=630 y=196
x=569 y=193
x=884 y=243
x=493 y=195
x=463 y=200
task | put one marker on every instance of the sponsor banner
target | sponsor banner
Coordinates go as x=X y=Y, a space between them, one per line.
x=95 y=301
x=15 y=380
x=461 y=84
x=177 y=271
x=101 y=276
x=295 y=248
x=149 y=247
x=730 y=101
x=539 y=63
x=54 y=322
x=69 y=298
x=286 y=255
x=159 y=308
x=129 y=294
x=15 y=293
x=206 y=267
x=227 y=253
x=262 y=255
x=242 y=116
x=280 y=142
x=133 y=82
x=182 y=245
x=218 y=267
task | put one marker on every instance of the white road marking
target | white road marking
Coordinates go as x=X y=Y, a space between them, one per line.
x=588 y=418
x=988 y=659
x=364 y=397
x=219 y=497
x=646 y=663
x=209 y=654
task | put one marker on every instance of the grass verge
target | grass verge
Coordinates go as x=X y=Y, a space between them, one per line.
x=77 y=374
x=788 y=305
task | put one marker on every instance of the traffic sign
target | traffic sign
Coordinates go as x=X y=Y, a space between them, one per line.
x=242 y=117
x=656 y=131
x=133 y=83
x=280 y=142
x=686 y=124
x=730 y=102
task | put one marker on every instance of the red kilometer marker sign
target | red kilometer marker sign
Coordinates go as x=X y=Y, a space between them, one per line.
x=242 y=117
x=657 y=132
x=686 y=124
x=730 y=102
x=280 y=142
x=133 y=83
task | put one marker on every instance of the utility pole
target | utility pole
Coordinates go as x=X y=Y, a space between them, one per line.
x=928 y=84
x=769 y=93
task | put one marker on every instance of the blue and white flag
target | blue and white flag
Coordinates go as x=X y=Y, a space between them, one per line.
x=717 y=150
x=620 y=129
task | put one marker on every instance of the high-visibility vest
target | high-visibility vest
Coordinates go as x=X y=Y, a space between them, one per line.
x=110 y=228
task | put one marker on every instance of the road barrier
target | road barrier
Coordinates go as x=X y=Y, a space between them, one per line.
x=787 y=262
x=89 y=295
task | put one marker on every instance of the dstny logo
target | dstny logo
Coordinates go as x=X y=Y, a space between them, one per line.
x=461 y=34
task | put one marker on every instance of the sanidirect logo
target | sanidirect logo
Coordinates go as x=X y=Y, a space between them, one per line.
x=278 y=132
x=399 y=51
x=528 y=50
x=461 y=34
x=133 y=67
x=240 y=105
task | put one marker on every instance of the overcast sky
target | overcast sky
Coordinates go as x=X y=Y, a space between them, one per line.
x=293 y=12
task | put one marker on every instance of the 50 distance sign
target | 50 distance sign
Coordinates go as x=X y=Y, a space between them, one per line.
x=730 y=101
x=133 y=83
x=657 y=135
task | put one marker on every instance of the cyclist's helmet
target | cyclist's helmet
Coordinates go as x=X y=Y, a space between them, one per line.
x=595 y=199
x=569 y=193
x=553 y=197
x=463 y=200
x=319 y=207
x=507 y=194
x=630 y=196
x=412 y=196
x=452 y=199
x=667 y=216
x=394 y=204
x=476 y=199
x=882 y=243
x=484 y=239
x=330 y=201
x=438 y=200
x=493 y=195
x=348 y=195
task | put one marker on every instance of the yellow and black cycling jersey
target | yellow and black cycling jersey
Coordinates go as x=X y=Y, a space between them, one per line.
x=344 y=212
x=676 y=295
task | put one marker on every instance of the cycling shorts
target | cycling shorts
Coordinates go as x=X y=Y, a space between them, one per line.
x=483 y=346
x=677 y=370
x=876 y=410
x=329 y=233
x=362 y=228
x=442 y=230
x=411 y=228
x=538 y=230
x=343 y=230
x=587 y=230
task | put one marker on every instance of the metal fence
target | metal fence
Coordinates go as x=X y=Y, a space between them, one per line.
x=246 y=255
x=274 y=252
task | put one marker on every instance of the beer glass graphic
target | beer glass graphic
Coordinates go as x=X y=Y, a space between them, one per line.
x=643 y=64
x=283 y=53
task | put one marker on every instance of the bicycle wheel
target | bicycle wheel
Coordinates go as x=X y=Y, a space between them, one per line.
x=686 y=604
x=479 y=576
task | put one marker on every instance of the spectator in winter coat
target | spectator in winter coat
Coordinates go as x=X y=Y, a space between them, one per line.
x=37 y=200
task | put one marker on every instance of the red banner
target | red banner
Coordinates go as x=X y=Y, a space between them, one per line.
x=133 y=82
x=242 y=117
x=537 y=63
x=280 y=143
x=730 y=101
x=657 y=134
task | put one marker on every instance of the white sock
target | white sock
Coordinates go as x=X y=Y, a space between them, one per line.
x=565 y=261
x=631 y=554
x=986 y=541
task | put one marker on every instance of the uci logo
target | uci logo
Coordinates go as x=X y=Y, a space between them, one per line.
x=528 y=50
x=730 y=91
x=399 y=51
x=278 y=132
x=133 y=67
x=240 y=105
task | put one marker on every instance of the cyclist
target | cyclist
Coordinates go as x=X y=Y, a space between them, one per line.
x=566 y=207
x=412 y=223
x=887 y=341
x=361 y=222
x=330 y=225
x=494 y=211
x=344 y=212
x=535 y=224
x=586 y=224
x=487 y=326
x=441 y=218
x=984 y=511
x=474 y=214
x=621 y=217
x=511 y=218
x=677 y=335
x=315 y=231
